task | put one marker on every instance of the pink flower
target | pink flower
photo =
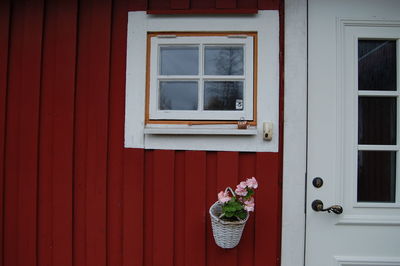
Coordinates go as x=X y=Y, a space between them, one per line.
x=249 y=205
x=240 y=190
x=252 y=182
x=242 y=184
x=223 y=197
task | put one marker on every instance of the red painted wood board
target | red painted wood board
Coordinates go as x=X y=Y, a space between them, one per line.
x=133 y=212
x=116 y=231
x=247 y=169
x=91 y=146
x=148 y=207
x=163 y=207
x=246 y=4
x=227 y=175
x=202 y=11
x=205 y=4
x=195 y=208
x=211 y=198
x=225 y=4
x=268 y=4
x=180 y=4
x=137 y=5
x=114 y=213
x=158 y=5
x=56 y=134
x=281 y=123
x=4 y=37
x=267 y=216
x=22 y=134
x=179 y=208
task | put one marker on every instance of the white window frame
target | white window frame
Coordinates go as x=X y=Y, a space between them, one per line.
x=203 y=135
x=201 y=42
x=352 y=35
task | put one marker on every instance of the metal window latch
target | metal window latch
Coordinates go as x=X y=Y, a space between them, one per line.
x=242 y=124
x=318 y=206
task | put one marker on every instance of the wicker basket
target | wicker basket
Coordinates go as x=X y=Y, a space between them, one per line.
x=226 y=234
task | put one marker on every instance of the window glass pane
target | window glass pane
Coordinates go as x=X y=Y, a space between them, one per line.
x=178 y=95
x=377 y=65
x=376 y=176
x=179 y=60
x=223 y=95
x=223 y=60
x=377 y=118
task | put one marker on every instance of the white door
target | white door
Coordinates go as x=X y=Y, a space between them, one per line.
x=353 y=133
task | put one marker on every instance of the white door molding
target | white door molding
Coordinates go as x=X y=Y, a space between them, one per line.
x=295 y=129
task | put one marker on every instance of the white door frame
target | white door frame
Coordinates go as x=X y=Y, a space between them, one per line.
x=295 y=133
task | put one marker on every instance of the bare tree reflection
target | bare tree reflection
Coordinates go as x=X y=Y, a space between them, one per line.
x=178 y=95
x=229 y=61
x=165 y=103
x=222 y=95
x=218 y=95
x=224 y=60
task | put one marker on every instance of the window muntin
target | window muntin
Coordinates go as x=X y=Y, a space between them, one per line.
x=220 y=66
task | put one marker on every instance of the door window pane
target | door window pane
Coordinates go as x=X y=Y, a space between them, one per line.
x=377 y=118
x=178 y=95
x=377 y=65
x=223 y=95
x=223 y=60
x=179 y=60
x=376 y=176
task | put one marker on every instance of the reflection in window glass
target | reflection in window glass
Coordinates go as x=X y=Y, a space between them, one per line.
x=223 y=60
x=223 y=95
x=376 y=176
x=377 y=65
x=377 y=120
x=178 y=95
x=179 y=60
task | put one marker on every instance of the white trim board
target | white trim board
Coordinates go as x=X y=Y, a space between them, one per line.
x=366 y=261
x=294 y=150
x=266 y=23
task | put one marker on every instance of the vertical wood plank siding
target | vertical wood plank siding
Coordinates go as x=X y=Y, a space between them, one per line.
x=4 y=40
x=21 y=151
x=91 y=132
x=180 y=4
x=225 y=4
x=56 y=141
x=70 y=194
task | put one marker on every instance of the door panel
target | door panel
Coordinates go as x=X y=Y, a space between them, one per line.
x=353 y=132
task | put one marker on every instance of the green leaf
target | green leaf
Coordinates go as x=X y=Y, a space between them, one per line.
x=229 y=214
x=241 y=214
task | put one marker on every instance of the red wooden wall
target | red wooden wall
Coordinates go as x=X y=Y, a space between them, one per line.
x=70 y=194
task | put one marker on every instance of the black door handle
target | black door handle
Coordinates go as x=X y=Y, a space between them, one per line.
x=318 y=206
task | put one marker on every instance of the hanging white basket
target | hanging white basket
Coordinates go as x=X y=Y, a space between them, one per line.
x=227 y=234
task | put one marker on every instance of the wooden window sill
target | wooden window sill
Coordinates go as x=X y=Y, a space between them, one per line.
x=199 y=130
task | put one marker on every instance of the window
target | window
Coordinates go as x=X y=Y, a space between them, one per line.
x=200 y=76
x=189 y=79
x=377 y=121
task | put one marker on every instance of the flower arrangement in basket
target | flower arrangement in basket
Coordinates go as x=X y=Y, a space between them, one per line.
x=230 y=213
